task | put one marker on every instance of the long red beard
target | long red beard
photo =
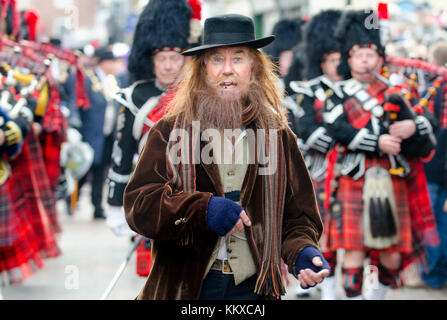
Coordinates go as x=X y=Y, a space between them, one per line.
x=215 y=111
x=217 y=108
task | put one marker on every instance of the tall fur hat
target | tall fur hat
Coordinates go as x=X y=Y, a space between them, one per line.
x=357 y=28
x=296 y=70
x=163 y=25
x=11 y=17
x=318 y=39
x=288 y=33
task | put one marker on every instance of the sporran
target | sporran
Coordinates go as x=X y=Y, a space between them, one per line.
x=380 y=220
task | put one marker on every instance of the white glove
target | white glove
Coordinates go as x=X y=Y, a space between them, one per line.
x=319 y=140
x=116 y=221
x=423 y=125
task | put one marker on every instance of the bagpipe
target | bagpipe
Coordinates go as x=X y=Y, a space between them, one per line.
x=29 y=92
x=72 y=58
x=403 y=101
x=416 y=71
x=27 y=86
x=38 y=52
x=22 y=76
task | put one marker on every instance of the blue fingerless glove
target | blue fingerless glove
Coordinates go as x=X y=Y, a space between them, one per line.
x=222 y=214
x=304 y=260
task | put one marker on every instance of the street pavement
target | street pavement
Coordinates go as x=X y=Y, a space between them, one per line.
x=92 y=254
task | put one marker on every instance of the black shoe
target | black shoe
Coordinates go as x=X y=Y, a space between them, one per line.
x=68 y=206
x=99 y=215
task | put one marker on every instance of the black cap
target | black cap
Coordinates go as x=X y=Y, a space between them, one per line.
x=229 y=30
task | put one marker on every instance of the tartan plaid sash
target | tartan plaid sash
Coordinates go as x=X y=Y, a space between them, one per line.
x=183 y=179
x=159 y=110
x=318 y=107
x=443 y=111
x=357 y=116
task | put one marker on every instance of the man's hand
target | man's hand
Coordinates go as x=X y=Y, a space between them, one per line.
x=311 y=267
x=226 y=216
x=37 y=128
x=390 y=144
x=243 y=220
x=116 y=221
x=309 y=278
x=403 y=129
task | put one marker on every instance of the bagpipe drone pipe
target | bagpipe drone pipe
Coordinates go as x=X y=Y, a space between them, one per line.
x=402 y=103
x=37 y=52
x=19 y=95
x=23 y=75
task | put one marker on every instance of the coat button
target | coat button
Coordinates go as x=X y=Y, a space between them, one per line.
x=179 y=221
x=229 y=250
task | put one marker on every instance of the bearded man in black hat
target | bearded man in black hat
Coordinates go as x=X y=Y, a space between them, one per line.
x=222 y=214
x=374 y=178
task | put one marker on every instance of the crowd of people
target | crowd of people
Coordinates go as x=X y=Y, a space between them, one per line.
x=355 y=116
x=363 y=158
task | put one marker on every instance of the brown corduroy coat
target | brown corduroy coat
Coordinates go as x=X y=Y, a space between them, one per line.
x=178 y=271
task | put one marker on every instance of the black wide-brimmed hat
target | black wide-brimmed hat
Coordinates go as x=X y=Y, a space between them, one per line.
x=229 y=30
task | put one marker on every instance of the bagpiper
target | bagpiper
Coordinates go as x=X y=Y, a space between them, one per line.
x=288 y=35
x=31 y=119
x=374 y=171
x=164 y=30
x=321 y=59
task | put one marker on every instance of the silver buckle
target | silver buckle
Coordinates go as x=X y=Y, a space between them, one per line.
x=223 y=267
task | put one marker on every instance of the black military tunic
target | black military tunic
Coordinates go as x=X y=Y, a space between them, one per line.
x=136 y=101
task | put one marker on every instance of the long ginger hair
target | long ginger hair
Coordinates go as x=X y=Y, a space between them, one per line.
x=264 y=79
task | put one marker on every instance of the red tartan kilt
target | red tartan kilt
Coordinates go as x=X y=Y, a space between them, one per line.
x=144 y=260
x=51 y=146
x=423 y=218
x=350 y=195
x=319 y=191
x=31 y=183
x=19 y=250
x=318 y=187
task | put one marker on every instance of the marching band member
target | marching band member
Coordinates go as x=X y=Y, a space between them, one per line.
x=373 y=180
x=321 y=62
x=164 y=30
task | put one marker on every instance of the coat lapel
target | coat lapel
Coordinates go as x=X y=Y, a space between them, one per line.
x=213 y=173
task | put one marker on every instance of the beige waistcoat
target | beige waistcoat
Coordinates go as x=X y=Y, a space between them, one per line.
x=233 y=164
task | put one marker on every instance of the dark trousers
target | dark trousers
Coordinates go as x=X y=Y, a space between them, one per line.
x=220 y=286
x=437 y=254
x=98 y=174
